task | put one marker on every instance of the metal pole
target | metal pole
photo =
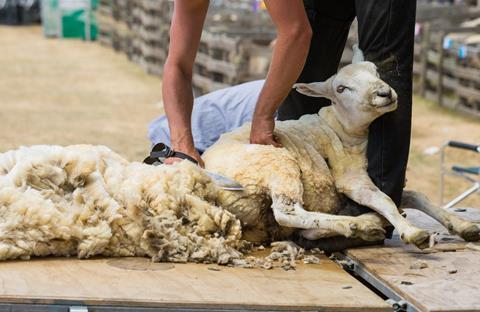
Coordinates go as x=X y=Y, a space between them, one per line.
x=59 y=19
x=462 y=196
x=87 y=20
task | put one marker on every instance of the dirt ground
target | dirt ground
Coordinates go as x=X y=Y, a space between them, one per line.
x=69 y=92
x=432 y=127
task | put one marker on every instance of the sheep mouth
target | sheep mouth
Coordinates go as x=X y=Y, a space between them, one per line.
x=393 y=102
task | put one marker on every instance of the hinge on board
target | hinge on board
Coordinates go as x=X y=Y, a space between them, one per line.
x=398 y=306
x=78 y=309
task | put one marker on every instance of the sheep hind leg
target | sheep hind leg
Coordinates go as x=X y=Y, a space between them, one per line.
x=317 y=225
x=467 y=230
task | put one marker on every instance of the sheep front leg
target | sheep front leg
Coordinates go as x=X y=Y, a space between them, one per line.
x=362 y=190
x=319 y=225
x=467 y=230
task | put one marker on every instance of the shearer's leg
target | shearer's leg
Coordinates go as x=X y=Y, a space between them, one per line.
x=469 y=231
x=386 y=36
x=330 y=21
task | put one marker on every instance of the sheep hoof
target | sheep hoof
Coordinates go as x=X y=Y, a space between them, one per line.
x=470 y=233
x=376 y=234
x=368 y=227
x=418 y=237
x=369 y=231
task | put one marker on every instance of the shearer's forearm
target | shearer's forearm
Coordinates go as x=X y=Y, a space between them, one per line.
x=281 y=77
x=187 y=22
x=290 y=53
x=178 y=104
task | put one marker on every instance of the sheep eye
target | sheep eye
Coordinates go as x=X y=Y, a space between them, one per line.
x=340 y=89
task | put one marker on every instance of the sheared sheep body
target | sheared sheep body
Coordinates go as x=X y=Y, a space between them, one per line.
x=298 y=173
x=86 y=200
x=267 y=169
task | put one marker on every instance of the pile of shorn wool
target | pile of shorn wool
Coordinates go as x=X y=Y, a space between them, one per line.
x=86 y=200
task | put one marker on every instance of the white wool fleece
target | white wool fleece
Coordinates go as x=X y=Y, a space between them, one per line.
x=86 y=200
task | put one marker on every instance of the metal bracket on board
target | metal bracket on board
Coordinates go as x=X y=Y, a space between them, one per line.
x=398 y=306
x=398 y=303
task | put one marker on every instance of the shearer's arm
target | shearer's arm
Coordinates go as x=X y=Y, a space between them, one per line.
x=187 y=23
x=289 y=56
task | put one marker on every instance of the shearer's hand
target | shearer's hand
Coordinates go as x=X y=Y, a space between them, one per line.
x=190 y=151
x=262 y=131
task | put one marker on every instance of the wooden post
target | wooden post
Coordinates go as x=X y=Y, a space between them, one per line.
x=424 y=58
x=440 y=69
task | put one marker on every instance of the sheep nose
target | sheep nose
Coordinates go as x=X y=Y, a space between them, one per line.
x=385 y=93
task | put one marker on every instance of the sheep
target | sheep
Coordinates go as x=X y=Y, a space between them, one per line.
x=85 y=200
x=302 y=186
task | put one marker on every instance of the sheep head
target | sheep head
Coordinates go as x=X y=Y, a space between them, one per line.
x=357 y=93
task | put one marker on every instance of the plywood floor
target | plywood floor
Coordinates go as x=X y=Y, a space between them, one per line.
x=136 y=282
x=449 y=282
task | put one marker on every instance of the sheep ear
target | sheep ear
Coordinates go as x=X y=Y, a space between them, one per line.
x=357 y=54
x=316 y=89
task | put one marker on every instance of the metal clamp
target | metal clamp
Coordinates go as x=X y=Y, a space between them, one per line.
x=355 y=268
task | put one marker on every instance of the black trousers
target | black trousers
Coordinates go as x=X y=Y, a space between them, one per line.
x=386 y=36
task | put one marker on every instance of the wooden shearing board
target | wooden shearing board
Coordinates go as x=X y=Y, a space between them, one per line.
x=136 y=284
x=449 y=282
